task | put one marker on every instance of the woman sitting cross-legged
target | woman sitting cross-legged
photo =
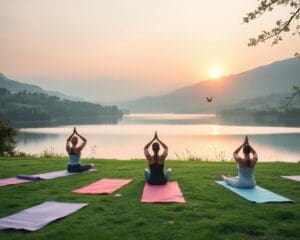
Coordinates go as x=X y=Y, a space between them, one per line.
x=156 y=175
x=245 y=166
x=74 y=152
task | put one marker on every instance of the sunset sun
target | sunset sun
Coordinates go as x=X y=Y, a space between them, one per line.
x=215 y=73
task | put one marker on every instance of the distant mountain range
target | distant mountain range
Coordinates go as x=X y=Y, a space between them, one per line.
x=276 y=78
x=14 y=87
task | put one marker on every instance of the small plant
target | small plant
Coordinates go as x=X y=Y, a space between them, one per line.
x=217 y=155
x=188 y=156
x=48 y=153
x=21 y=154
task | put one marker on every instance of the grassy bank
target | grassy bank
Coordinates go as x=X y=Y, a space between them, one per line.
x=211 y=212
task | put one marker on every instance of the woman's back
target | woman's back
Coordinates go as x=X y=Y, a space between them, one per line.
x=156 y=169
x=246 y=162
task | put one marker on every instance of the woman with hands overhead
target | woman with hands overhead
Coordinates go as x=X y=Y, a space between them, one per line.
x=245 y=166
x=74 y=152
x=156 y=174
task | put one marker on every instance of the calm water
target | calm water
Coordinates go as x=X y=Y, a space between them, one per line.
x=186 y=135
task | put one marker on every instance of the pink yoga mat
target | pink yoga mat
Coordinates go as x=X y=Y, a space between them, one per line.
x=169 y=192
x=295 y=178
x=12 y=181
x=104 y=186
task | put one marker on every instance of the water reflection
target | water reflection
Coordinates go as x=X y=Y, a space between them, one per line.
x=202 y=140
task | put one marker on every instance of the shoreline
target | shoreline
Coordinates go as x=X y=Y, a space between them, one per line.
x=84 y=159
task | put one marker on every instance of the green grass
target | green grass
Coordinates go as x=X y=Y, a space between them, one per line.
x=211 y=211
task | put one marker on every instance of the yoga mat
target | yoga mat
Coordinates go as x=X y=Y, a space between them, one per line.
x=169 y=192
x=39 y=216
x=58 y=174
x=43 y=176
x=104 y=186
x=295 y=178
x=257 y=194
x=12 y=181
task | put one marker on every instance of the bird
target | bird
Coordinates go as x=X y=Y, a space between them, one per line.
x=209 y=99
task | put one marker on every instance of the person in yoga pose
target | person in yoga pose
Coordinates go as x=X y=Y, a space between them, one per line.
x=156 y=174
x=245 y=166
x=74 y=152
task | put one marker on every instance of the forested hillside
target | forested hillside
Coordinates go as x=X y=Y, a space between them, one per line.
x=23 y=107
x=15 y=87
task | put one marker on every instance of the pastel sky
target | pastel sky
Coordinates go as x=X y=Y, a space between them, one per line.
x=122 y=49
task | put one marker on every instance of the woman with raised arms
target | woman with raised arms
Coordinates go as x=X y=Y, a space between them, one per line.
x=245 y=165
x=156 y=174
x=74 y=152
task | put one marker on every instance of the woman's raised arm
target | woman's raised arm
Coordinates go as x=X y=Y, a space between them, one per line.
x=166 y=149
x=69 y=139
x=254 y=153
x=146 y=151
x=84 y=141
x=236 y=152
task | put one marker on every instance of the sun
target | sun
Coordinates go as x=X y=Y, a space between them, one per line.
x=215 y=73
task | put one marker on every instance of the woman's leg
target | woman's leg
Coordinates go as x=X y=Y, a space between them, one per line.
x=85 y=168
x=168 y=173
x=238 y=183
x=234 y=182
x=74 y=168
x=147 y=174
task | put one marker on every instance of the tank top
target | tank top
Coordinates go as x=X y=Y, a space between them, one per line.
x=246 y=176
x=74 y=159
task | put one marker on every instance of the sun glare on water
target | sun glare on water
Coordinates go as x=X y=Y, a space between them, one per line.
x=215 y=73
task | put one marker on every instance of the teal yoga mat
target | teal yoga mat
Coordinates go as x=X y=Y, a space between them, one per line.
x=257 y=194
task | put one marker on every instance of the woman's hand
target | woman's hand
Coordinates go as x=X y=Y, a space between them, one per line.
x=155 y=136
x=246 y=141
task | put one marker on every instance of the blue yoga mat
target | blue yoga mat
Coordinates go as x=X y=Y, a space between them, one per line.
x=257 y=194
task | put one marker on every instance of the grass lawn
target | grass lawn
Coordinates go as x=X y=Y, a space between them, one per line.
x=211 y=211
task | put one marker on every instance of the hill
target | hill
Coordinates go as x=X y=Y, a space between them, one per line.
x=275 y=78
x=15 y=87
x=38 y=109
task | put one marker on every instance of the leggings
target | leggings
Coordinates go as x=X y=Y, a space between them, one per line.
x=239 y=183
x=160 y=180
x=79 y=168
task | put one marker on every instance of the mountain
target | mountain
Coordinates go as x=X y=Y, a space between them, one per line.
x=275 y=78
x=15 y=87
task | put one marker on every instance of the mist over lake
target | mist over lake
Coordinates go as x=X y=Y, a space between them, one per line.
x=188 y=136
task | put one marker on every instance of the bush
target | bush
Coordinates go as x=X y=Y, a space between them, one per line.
x=7 y=138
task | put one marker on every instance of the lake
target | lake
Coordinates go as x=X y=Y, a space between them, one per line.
x=187 y=135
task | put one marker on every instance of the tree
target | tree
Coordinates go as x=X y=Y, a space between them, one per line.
x=281 y=26
x=295 y=93
x=7 y=138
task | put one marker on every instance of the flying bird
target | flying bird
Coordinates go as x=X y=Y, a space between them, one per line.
x=209 y=99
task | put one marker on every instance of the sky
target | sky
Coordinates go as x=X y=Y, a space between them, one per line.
x=116 y=50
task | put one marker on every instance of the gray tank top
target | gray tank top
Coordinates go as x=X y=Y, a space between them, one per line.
x=74 y=159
